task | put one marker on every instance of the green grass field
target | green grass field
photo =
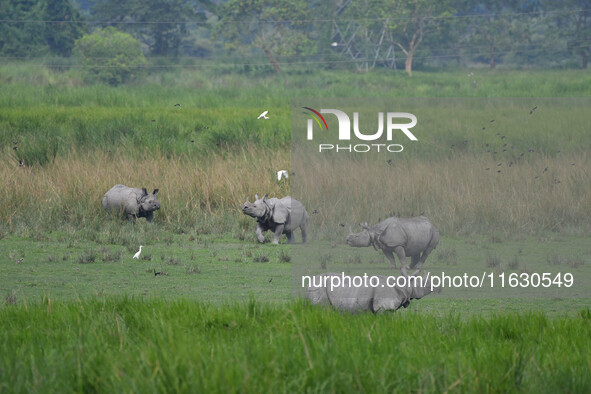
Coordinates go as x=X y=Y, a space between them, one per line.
x=77 y=314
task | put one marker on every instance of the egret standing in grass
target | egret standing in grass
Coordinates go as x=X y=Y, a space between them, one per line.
x=137 y=255
x=264 y=115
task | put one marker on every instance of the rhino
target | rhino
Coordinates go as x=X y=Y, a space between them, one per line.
x=282 y=216
x=415 y=237
x=377 y=298
x=133 y=202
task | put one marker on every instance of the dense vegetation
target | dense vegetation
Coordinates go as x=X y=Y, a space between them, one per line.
x=107 y=345
x=273 y=34
x=209 y=152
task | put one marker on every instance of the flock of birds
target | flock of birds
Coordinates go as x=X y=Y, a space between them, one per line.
x=504 y=148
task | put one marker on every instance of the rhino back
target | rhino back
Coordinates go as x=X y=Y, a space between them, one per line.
x=121 y=196
x=414 y=234
x=297 y=213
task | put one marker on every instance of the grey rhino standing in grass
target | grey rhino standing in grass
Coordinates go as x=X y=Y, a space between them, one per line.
x=282 y=216
x=377 y=298
x=415 y=237
x=133 y=202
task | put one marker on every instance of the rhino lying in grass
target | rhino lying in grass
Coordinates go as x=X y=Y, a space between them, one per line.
x=133 y=202
x=377 y=298
x=415 y=237
x=282 y=216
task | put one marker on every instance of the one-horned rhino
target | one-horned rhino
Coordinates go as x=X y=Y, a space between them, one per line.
x=332 y=289
x=282 y=216
x=133 y=202
x=415 y=237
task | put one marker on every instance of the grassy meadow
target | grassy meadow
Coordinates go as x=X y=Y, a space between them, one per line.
x=128 y=345
x=207 y=308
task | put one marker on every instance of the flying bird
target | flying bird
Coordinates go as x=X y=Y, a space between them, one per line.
x=281 y=174
x=137 y=255
x=264 y=115
x=533 y=109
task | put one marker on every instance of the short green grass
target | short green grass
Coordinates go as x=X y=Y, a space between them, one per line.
x=221 y=269
x=126 y=344
x=208 y=309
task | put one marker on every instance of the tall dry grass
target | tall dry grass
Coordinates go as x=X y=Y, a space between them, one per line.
x=69 y=190
x=459 y=194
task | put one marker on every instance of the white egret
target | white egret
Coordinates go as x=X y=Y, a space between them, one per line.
x=137 y=255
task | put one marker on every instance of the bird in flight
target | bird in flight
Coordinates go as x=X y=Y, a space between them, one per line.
x=264 y=115
x=282 y=174
x=137 y=255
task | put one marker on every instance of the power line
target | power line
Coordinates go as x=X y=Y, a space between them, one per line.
x=254 y=20
x=286 y=63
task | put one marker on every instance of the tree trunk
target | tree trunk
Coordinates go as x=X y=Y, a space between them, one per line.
x=492 y=57
x=273 y=62
x=584 y=59
x=408 y=62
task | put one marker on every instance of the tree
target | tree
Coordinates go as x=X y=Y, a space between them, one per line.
x=160 y=24
x=110 y=55
x=277 y=27
x=498 y=27
x=63 y=28
x=402 y=23
x=572 y=20
x=33 y=28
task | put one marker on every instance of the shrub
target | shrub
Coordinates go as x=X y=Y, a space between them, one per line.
x=110 y=56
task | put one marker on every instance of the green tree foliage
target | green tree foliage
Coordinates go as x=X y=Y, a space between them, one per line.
x=160 y=24
x=276 y=27
x=63 y=27
x=499 y=28
x=572 y=23
x=110 y=56
x=386 y=23
x=38 y=27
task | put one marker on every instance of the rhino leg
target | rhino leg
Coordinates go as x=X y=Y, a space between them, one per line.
x=424 y=256
x=259 y=232
x=390 y=257
x=304 y=236
x=289 y=235
x=149 y=216
x=414 y=260
x=399 y=250
x=278 y=232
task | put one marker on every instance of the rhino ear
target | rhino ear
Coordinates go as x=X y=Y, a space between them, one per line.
x=350 y=230
x=144 y=191
x=364 y=226
x=247 y=199
x=256 y=196
x=155 y=191
x=265 y=197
